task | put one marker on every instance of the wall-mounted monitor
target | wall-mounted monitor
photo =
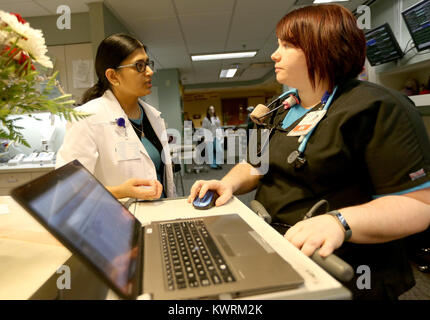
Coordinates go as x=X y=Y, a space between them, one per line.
x=382 y=46
x=417 y=19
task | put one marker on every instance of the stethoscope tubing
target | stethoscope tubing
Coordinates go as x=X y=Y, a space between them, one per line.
x=302 y=146
x=283 y=95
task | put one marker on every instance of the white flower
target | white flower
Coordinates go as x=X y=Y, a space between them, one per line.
x=31 y=40
x=3 y=36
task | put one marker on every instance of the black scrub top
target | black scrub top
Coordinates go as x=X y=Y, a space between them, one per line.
x=371 y=142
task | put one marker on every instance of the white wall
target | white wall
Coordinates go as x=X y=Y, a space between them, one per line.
x=34 y=130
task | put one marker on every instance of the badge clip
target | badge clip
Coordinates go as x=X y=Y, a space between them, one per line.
x=120 y=122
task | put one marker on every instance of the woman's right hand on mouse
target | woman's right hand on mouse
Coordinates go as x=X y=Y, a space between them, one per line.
x=200 y=187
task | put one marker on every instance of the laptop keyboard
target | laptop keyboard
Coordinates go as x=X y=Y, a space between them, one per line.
x=191 y=257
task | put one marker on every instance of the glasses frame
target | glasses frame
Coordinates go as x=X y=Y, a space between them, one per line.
x=146 y=63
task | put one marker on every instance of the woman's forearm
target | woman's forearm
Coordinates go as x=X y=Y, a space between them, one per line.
x=243 y=178
x=388 y=218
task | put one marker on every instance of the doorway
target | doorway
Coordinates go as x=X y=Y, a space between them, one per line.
x=234 y=111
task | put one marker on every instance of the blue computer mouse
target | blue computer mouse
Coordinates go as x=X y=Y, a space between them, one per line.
x=207 y=202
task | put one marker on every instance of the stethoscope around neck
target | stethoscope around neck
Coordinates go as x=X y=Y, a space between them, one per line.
x=297 y=157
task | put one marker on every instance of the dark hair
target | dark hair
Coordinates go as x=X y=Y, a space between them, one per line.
x=334 y=46
x=207 y=113
x=110 y=53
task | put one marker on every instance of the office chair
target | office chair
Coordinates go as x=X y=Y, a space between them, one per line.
x=175 y=153
x=177 y=174
x=418 y=248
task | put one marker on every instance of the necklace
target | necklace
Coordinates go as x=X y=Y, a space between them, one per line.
x=138 y=130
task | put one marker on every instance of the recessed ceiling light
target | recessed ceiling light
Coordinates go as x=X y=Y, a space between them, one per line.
x=221 y=56
x=227 y=73
x=328 y=1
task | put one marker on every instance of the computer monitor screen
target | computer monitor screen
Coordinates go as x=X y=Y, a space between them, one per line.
x=417 y=19
x=382 y=46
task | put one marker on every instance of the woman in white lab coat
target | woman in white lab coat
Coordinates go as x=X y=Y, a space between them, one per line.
x=212 y=123
x=123 y=142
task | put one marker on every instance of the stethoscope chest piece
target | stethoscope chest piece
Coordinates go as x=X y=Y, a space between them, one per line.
x=296 y=159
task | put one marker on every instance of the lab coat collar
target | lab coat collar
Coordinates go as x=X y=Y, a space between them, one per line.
x=116 y=111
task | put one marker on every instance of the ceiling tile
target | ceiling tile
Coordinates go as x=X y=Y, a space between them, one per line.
x=142 y=9
x=205 y=32
x=193 y=7
x=35 y=8
x=25 y=9
x=8 y=3
x=76 y=6
x=2 y=2
x=160 y=32
x=173 y=57
x=254 y=73
x=253 y=23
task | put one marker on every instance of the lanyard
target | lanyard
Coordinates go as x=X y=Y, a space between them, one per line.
x=326 y=101
x=296 y=158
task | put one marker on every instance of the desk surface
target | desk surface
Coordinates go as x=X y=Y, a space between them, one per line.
x=29 y=255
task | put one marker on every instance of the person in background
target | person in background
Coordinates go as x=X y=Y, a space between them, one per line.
x=368 y=156
x=411 y=87
x=211 y=122
x=425 y=89
x=123 y=142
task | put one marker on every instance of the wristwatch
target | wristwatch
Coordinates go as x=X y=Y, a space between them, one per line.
x=339 y=217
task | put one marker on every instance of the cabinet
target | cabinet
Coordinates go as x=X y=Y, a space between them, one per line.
x=394 y=77
x=11 y=178
x=76 y=67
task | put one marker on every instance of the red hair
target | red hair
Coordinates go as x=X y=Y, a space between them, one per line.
x=334 y=46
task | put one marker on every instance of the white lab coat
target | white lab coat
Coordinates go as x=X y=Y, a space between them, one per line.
x=93 y=141
x=214 y=126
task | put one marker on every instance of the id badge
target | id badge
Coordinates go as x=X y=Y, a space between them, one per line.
x=307 y=123
x=126 y=150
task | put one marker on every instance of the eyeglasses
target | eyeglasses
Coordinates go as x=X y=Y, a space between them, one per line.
x=140 y=65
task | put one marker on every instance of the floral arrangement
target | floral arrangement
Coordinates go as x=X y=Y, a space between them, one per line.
x=23 y=89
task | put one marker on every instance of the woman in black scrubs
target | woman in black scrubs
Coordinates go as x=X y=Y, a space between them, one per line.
x=368 y=156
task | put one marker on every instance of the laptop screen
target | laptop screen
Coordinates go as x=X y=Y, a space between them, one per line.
x=85 y=217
